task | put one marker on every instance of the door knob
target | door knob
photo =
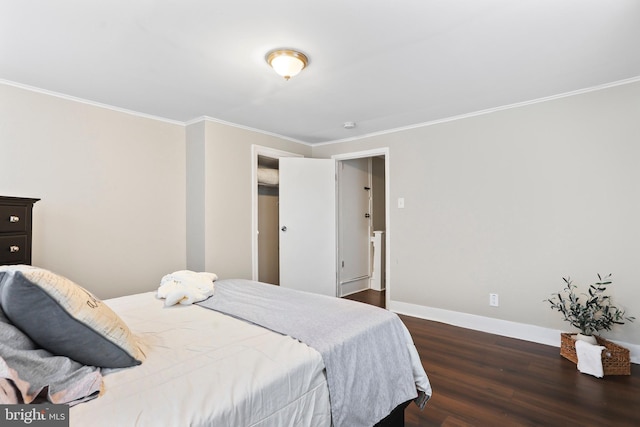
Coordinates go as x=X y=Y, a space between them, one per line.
x=284 y=228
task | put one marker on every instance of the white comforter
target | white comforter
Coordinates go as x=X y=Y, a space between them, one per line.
x=207 y=369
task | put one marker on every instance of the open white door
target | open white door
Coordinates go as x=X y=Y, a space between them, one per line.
x=308 y=225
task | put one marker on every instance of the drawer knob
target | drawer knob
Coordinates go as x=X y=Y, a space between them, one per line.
x=14 y=218
x=14 y=249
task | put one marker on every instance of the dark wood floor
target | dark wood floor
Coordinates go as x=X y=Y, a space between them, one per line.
x=480 y=379
x=369 y=296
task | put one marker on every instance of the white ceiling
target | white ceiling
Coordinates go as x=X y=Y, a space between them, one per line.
x=384 y=65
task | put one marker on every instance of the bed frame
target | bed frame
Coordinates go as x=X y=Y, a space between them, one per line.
x=395 y=418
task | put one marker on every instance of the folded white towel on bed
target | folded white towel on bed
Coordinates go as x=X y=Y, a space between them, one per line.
x=589 y=358
x=186 y=287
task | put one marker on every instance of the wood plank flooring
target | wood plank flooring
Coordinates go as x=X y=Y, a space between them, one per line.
x=482 y=379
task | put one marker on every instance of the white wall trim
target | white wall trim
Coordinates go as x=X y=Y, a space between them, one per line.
x=354 y=286
x=490 y=325
x=360 y=154
x=88 y=102
x=235 y=125
x=144 y=115
x=486 y=111
x=338 y=141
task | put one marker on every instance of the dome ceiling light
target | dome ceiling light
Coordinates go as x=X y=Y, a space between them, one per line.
x=287 y=62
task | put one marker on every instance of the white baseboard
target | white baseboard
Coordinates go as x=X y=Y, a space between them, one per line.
x=505 y=328
x=354 y=287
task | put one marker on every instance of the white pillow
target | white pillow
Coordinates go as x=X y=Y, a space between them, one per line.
x=66 y=319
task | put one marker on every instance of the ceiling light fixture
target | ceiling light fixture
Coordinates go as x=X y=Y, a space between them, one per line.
x=287 y=62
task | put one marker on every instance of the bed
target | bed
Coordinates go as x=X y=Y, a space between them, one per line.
x=200 y=365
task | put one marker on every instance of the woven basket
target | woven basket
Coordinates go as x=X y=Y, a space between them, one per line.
x=615 y=359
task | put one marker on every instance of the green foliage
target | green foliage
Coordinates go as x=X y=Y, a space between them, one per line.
x=591 y=314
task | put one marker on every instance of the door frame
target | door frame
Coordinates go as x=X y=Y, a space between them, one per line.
x=383 y=151
x=259 y=150
x=348 y=288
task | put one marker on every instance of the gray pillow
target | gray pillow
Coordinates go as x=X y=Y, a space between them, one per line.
x=65 y=318
x=29 y=374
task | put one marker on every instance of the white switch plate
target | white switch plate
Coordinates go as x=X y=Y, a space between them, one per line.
x=400 y=202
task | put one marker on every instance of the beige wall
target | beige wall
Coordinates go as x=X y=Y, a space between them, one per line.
x=227 y=197
x=196 y=195
x=512 y=201
x=120 y=208
x=507 y=202
x=112 y=214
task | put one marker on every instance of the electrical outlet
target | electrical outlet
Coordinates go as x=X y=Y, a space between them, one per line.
x=493 y=300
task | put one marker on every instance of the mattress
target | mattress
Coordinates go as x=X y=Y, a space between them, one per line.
x=204 y=368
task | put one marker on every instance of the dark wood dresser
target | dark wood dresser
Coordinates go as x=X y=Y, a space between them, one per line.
x=15 y=230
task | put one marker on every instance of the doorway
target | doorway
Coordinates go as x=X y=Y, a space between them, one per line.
x=265 y=218
x=380 y=217
x=268 y=207
x=363 y=260
x=354 y=225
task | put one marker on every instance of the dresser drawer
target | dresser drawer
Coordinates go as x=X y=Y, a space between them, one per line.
x=14 y=249
x=13 y=219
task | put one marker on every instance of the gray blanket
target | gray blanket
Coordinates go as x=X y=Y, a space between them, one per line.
x=29 y=374
x=364 y=348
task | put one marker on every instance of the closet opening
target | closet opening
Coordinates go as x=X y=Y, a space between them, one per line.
x=265 y=241
x=268 y=220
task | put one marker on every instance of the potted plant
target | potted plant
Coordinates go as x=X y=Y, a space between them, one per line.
x=590 y=314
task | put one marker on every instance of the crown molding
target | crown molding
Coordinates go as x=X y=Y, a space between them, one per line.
x=487 y=111
x=88 y=102
x=243 y=127
x=338 y=141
